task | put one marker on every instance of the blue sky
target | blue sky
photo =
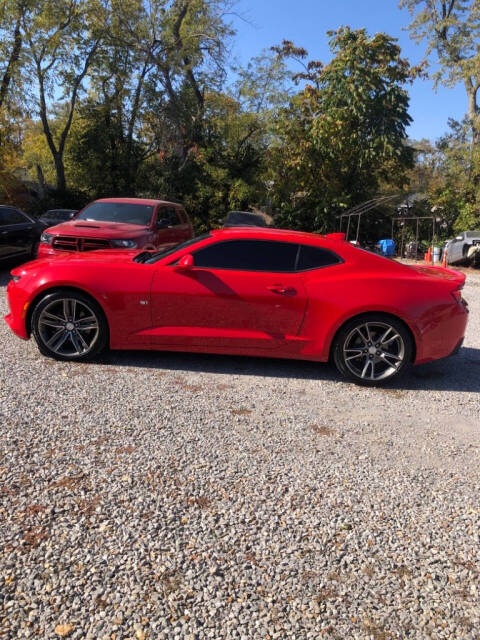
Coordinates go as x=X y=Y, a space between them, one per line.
x=268 y=22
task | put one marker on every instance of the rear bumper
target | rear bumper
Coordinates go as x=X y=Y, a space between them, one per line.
x=457 y=348
x=442 y=333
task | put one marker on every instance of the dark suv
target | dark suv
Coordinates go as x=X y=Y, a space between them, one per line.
x=19 y=234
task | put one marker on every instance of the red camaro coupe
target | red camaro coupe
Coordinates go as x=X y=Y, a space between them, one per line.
x=247 y=291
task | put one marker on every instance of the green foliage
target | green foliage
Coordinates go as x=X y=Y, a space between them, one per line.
x=468 y=218
x=451 y=29
x=123 y=97
x=344 y=133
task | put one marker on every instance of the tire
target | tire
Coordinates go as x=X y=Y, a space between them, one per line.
x=68 y=325
x=372 y=349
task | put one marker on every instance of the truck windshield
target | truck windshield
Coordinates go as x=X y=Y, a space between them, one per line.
x=140 y=214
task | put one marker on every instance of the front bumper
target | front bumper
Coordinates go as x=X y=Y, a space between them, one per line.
x=18 y=306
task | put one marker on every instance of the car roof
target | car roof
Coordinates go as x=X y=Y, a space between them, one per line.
x=146 y=201
x=273 y=233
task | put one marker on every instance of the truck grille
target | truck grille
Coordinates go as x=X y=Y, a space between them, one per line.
x=70 y=243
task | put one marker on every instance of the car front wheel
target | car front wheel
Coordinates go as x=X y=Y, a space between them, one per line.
x=372 y=349
x=69 y=326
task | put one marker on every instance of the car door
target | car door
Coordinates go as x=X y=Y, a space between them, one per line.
x=185 y=228
x=16 y=233
x=168 y=228
x=239 y=294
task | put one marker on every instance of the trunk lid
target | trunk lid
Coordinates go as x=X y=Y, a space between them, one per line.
x=449 y=276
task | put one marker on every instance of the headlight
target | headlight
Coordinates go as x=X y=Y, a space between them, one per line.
x=125 y=244
x=46 y=238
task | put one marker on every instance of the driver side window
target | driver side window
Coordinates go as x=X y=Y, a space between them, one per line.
x=248 y=255
x=168 y=217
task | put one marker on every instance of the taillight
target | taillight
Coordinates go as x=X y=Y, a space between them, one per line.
x=457 y=295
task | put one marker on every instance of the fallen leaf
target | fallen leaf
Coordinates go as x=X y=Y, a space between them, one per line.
x=64 y=630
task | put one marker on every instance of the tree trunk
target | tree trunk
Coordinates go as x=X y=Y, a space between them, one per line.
x=473 y=114
x=41 y=181
x=60 y=170
x=14 y=57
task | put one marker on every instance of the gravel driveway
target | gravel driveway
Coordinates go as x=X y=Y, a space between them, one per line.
x=182 y=496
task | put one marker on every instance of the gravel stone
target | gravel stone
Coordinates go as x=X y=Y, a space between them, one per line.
x=163 y=495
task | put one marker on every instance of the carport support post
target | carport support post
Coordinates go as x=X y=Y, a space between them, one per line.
x=358 y=226
x=416 y=242
x=348 y=228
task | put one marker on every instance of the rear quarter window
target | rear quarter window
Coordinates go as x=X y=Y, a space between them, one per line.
x=315 y=258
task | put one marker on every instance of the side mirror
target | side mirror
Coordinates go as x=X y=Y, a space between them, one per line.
x=162 y=223
x=186 y=262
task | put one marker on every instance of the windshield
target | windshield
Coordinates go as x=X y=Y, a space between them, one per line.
x=158 y=255
x=140 y=214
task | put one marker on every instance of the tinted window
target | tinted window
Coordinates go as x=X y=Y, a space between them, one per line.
x=118 y=212
x=248 y=255
x=58 y=214
x=315 y=258
x=12 y=216
x=4 y=216
x=170 y=216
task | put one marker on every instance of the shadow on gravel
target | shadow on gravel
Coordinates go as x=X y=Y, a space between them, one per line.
x=458 y=373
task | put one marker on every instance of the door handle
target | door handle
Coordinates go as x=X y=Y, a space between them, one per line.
x=283 y=291
x=4 y=233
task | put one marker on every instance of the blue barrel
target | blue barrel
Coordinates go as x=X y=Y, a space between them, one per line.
x=387 y=247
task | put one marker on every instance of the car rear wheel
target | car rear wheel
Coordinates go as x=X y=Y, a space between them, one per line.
x=372 y=349
x=69 y=326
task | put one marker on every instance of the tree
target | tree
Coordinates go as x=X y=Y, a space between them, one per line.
x=10 y=111
x=61 y=39
x=451 y=29
x=10 y=45
x=443 y=173
x=345 y=132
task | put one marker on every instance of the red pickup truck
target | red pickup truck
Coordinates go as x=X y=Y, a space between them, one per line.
x=119 y=223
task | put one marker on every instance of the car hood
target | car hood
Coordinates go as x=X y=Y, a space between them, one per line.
x=94 y=229
x=99 y=257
